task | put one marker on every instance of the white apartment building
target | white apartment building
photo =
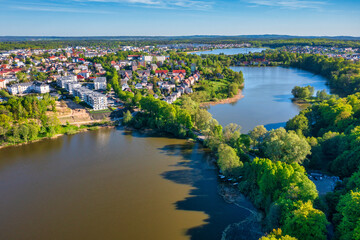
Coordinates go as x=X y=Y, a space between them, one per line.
x=29 y=87
x=100 y=83
x=62 y=81
x=96 y=100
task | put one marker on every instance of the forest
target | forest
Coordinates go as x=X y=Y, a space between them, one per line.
x=273 y=42
x=29 y=118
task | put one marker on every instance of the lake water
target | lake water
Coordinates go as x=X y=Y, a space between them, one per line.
x=231 y=51
x=112 y=184
x=267 y=97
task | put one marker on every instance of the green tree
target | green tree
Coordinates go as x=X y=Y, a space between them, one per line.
x=127 y=117
x=277 y=234
x=306 y=223
x=279 y=145
x=136 y=99
x=22 y=76
x=77 y=99
x=233 y=89
x=229 y=163
x=349 y=210
x=299 y=124
x=257 y=134
x=302 y=92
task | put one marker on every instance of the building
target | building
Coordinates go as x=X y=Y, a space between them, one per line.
x=82 y=93
x=2 y=83
x=96 y=100
x=84 y=73
x=100 y=83
x=71 y=86
x=149 y=59
x=29 y=87
x=40 y=87
x=62 y=81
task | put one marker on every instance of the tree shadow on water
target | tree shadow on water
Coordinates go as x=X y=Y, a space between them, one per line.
x=272 y=126
x=282 y=98
x=198 y=172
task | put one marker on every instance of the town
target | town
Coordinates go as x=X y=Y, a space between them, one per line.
x=73 y=72
x=64 y=73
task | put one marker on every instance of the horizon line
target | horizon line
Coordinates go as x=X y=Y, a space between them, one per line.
x=194 y=35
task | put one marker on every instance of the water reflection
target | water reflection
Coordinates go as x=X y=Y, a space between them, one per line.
x=112 y=184
x=17 y=154
x=200 y=174
x=267 y=97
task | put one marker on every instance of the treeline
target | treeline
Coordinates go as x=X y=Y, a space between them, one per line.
x=28 y=118
x=343 y=75
x=274 y=181
x=280 y=186
x=23 y=119
x=274 y=41
x=332 y=128
x=157 y=114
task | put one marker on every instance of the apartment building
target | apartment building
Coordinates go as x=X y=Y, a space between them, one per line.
x=29 y=87
x=100 y=83
x=96 y=100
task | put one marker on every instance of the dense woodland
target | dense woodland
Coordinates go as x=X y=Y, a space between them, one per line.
x=29 y=118
x=146 y=41
x=24 y=119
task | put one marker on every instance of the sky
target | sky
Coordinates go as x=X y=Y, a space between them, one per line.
x=179 y=17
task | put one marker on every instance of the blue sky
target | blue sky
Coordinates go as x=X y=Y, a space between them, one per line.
x=179 y=17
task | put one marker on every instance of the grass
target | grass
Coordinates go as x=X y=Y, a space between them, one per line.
x=101 y=111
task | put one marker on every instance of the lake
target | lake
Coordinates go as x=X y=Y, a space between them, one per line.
x=231 y=51
x=115 y=184
x=267 y=97
x=112 y=184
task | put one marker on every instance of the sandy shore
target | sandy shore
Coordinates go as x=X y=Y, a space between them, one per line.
x=236 y=98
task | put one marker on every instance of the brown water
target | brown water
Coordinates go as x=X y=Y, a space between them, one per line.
x=111 y=184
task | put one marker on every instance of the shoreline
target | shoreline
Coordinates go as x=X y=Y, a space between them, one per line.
x=57 y=135
x=233 y=99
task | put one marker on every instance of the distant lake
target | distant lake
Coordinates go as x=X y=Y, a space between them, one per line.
x=231 y=51
x=267 y=97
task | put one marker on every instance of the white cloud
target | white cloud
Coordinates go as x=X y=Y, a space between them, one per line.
x=58 y=9
x=289 y=4
x=169 y=4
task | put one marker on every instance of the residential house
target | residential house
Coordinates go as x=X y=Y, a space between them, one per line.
x=2 y=83
x=139 y=86
x=124 y=86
